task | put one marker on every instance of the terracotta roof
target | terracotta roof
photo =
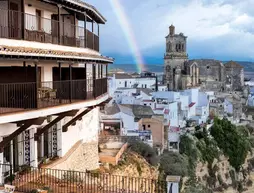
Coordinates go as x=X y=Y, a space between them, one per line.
x=232 y=64
x=191 y=104
x=11 y=50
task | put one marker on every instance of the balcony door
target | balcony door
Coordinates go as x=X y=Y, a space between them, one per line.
x=14 y=20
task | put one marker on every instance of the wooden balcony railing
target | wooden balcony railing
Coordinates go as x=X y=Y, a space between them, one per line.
x=16 y=97
x=23 y=26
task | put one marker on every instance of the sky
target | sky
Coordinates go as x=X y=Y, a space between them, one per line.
x=135 y=30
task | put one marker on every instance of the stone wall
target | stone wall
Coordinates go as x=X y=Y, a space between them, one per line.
x=81 y=157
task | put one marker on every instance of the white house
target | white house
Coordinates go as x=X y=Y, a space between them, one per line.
x=124 y=80
x=52 y=81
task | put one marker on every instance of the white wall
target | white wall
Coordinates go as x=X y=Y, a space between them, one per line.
x=86 y=130
x=173 y=114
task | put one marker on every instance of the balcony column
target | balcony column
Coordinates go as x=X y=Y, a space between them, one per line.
x=85 y=31
x=106 y=70
x=60 y=79
x=101 y=70
x=75 y=32
x=59 y=23
x=70 y=79
x=23 y=19
x=98 y=37
x=86 y=82
x=93 y=33
x=36 y=84
x=94 y=80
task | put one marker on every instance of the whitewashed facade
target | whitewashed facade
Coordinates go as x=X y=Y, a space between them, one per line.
x=53 y=79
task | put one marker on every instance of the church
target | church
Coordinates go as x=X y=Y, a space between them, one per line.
x=209 y=74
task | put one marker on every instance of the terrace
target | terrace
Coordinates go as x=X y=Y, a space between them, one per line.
x=69 y=30
x=25 y=91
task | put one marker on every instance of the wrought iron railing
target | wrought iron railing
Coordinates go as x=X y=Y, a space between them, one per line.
x=16 y=97
x=63 y=181
x=19 y=25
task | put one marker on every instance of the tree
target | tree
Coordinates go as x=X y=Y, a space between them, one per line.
x=233 y=142
x=172 y=163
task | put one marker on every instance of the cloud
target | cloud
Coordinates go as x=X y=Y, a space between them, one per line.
x=216 y=28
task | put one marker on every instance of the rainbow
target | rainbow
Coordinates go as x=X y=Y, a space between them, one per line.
x=129 y=35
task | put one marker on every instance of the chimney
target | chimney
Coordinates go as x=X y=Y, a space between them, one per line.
x=172 y=30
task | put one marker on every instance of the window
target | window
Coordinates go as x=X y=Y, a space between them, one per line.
x=144 y=104
x=148 y=126
x=38 y=19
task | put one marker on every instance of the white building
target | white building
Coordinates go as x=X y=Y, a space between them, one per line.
x=52 y=82
x=120 y=80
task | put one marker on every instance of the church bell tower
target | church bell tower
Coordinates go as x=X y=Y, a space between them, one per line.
x=174 y=58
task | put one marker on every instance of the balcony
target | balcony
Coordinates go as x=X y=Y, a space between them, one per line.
x=16 y=97
x=23 y=26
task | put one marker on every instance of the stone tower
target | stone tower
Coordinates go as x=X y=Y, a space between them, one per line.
x=174 y=58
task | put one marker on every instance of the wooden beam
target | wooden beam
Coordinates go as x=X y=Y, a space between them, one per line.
x=26 y=125
x=46 y=127
x=72 y=121
x=36 y=121
x=52 y=123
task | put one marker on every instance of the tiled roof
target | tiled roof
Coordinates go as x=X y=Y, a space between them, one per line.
x=11 y=50
x=141 y=111
x=87 y=6
x=191 y=104
x=232 y=64
x=147 y=91
x=123 y=76
x=111 y=110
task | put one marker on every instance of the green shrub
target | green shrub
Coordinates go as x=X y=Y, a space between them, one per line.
x=145 y=151
x=172 y=163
